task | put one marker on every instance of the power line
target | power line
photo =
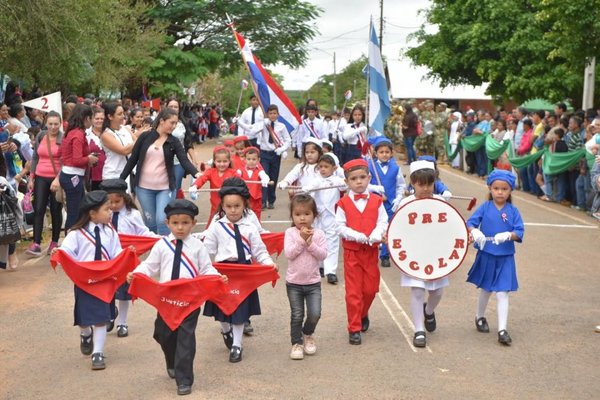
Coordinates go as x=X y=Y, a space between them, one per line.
x=341 y=34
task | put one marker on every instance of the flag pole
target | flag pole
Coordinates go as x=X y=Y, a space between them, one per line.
x=368 y=77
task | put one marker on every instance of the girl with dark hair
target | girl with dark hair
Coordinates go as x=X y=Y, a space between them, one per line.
x=117 y=140
x=154 y=182
x=93 y=139
x=183 y=133
x=75 y=158
x=355 y=134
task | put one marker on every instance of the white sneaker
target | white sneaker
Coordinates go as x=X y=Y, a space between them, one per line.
x=597 y=329
x=297 y=352
x=310 y=347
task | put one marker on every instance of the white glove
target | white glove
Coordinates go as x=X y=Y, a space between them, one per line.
x=264 y=181
x=284 y=155
x=377 y=189
x=375 y=239
x=193 y=192
x=282 y=185
x=361 y=238
x=446 y=195
x=308 y=188
x=502 y=237
x=478 y=237
x=279 y=151
x=396 y=204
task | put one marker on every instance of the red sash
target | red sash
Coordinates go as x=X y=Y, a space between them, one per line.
x=273 y=241
x=175 y=300
x=243 y=280
x=277 y=141
x=98 y=278
x=142 y=244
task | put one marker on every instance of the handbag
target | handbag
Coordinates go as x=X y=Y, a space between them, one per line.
x=10 y=232
x=59 y=195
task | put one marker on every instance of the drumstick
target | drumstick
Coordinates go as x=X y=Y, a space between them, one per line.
x=472 y=202
x=322 y=188
x=271 y=183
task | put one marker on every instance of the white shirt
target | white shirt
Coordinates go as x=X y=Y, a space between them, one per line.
x=131 y=223
x=352 y=132
x=252 y=130
x=326 y=199
x=82 y=249
x=250 y=218
x=221 y=244
x=179 y=133
x=160 y=260
x=302 y=174
x=350 y=234
x=115 y=163
x=280 y=130
x=303 y=131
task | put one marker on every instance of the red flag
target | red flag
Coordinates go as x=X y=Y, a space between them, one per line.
x=175 y=300
x=98 y=278
x=154 y=104
x=243 y=280
x=142 y=244
x=273 y=241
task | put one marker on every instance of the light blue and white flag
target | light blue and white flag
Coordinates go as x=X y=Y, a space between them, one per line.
x=379 y=101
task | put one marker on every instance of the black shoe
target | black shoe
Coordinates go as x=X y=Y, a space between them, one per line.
x=270 y=206
x=430 y=323
x=504 y=337
x=228 y=338
x=182 y=390
x=365 y=324
x=332 y=278
x=87 y=344
x=420 y=340
x=354 y=338
x=122 y=331
x=248 y=328
x=482 y=325
x=264 y=206
x=235 y=355
x=171 y=373
x=111 y=324
x=385 y=263
x=98 y=361
x=322 y=272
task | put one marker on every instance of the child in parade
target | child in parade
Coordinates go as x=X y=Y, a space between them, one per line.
x=234 y=240
x=239 y=144
x=354 y=134
x=304 y=173
x=220 y=171
x=273 y=141
x=422 y=178
x=361 y=222
x=326 y=200
x=178 y=256
x=439 y=187
x=252 y=173
x=494 y=269
x=125 y=219
x=386 y=173
x=305 y=247
x=311 y=127
x=91 y=238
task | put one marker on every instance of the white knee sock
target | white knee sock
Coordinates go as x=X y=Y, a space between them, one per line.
x=238 y=333
x=99 y=338
x=225 y=327
x=434 y=298
x=123 y=310
x=482 y=302
x=502 y=299
x=85 y=330
x=417 y=298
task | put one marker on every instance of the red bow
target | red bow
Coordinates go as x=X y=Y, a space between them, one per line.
x=361 y=196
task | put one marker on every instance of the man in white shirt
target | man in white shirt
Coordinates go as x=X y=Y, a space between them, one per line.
x=250 y=122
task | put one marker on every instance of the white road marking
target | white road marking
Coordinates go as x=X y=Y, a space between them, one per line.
x=32 y=261
x=561 y=225
x=537 y=204
x=402 y=312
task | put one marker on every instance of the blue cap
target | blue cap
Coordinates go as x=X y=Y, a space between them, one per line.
x=501 y=175
x=427 y=158
x=377 y=140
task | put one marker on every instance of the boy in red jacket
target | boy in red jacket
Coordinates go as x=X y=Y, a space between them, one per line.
x=361 y=222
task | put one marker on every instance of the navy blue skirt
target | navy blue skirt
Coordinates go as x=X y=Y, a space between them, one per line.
x=122 y=292
x=494 y=273
x=250 y=306
x=90 y=310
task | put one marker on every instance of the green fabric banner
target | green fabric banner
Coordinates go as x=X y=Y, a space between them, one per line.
x=451 y=156
x=524 y=161
x=493 y=149
x=473 y=143
x=555 y=163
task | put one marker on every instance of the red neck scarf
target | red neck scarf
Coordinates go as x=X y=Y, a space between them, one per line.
x=98 y=278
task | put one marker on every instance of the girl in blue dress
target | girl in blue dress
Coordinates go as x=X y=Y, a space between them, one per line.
x=495 y=227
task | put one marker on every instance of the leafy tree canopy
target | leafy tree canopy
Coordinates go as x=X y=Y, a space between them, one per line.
x=521 y=48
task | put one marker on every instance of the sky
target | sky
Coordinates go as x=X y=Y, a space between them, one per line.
x=344 y=27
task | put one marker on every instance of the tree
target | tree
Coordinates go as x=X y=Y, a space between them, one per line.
x=518 y=47
x=83 y=45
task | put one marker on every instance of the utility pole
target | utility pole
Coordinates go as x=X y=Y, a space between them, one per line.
x=380 y=25
x=589 y=80
x=334 y=84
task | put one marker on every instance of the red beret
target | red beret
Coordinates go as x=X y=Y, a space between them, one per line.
x=228 y=142
x=219 y=148
x=359 y=162
x=238 y=139
x=247 y=149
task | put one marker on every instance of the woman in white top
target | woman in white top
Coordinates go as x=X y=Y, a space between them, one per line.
x=117 y=140
x=183 y=134
x=354 y=134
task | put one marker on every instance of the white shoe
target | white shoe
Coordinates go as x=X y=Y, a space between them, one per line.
x=310 y=347
x=597 y=329
x=297 y=352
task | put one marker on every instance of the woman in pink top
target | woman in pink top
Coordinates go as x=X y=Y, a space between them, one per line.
x=305 y=248
x=44 y=183
x=527 y=139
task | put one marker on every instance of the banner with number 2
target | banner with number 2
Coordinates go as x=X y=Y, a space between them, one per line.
x=50 y=102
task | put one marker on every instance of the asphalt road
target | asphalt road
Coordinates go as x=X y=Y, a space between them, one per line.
x=554 y=354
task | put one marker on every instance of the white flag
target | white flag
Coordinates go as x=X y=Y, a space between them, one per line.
x=50 y=102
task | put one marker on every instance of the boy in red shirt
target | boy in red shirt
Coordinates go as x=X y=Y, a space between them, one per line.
x=361 y=222
x=255 y=177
